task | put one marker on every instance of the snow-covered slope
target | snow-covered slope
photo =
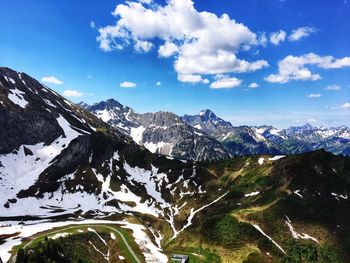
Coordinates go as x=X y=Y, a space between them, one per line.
x=59 y=161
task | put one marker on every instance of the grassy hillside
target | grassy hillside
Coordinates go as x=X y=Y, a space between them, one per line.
x=300 y=202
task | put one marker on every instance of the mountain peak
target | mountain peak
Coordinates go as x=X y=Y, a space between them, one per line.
x=109 y=104
x=206 y=112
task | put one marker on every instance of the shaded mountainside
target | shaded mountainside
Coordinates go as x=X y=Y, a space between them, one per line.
x=244 y=209
x=160 y=132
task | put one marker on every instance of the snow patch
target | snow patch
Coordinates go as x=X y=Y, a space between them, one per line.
x=296 y=235
x=16 y=96
x=136 y=134
x=252 y=194
x=261 y=161
x=277 y=157
x=268 y=237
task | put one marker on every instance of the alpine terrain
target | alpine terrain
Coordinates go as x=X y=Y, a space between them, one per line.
x=102 y=183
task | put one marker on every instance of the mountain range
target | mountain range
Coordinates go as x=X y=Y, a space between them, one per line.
x=61 y=165
x=205 y=136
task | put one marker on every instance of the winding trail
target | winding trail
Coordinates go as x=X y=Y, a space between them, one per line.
x=131 y=251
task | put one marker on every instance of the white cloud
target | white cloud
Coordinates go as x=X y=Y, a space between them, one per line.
x=145 y=1
x=345 y=106
x=253 y=85
x=189 y=78
x=52 y=80
x=277 y=37
x=203 y=43
x=301 y=32
x=127 y=84
x=226 y=83
x=143 y=46
x=72 y=93
x=294 y=68
x=205 y=81
x=92 y=24
x=314 y=95
x=168 y=49
x=333 y=88
x=218 y=63
x=159 y=83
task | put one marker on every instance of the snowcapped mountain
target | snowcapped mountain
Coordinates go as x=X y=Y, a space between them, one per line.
x=60 y=163
x=206 y=136
x=208 y=122
x=240 y=140
x=160 y=132
x=243 y=140
x=308 y=138
x=58 y=160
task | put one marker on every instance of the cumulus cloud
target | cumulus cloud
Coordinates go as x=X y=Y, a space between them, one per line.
x=201 y=43
x=143 y=46
x=52 y=80
x=226 y=83
x=72 y=93
x=167 y=50
x=314 y=95
x=294 y=68
x=253 y=85
x=159 y=83
x=191 y=78
x=301 y=32
x=277 y=37
x=92 y=24
x=127 y=84
x=333 y=88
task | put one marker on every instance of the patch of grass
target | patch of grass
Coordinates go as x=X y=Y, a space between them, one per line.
x=76 y=246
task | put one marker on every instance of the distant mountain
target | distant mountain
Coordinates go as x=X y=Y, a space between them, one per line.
x=245 y=140
x=160 y=132
x=240 y=140
x=308 y=138
x=206 y=136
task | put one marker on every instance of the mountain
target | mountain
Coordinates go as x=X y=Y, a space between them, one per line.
x=240 y=140
x=160 y=132
x=209 y=123
x=308 y=138
x=243 y=140
x=58 y=161
x=207 y=136
x=61 y=166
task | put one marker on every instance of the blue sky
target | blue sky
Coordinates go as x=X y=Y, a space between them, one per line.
x=264 y=62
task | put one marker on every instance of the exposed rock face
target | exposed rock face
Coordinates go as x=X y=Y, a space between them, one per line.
x=20 y=95
x=160 y=132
